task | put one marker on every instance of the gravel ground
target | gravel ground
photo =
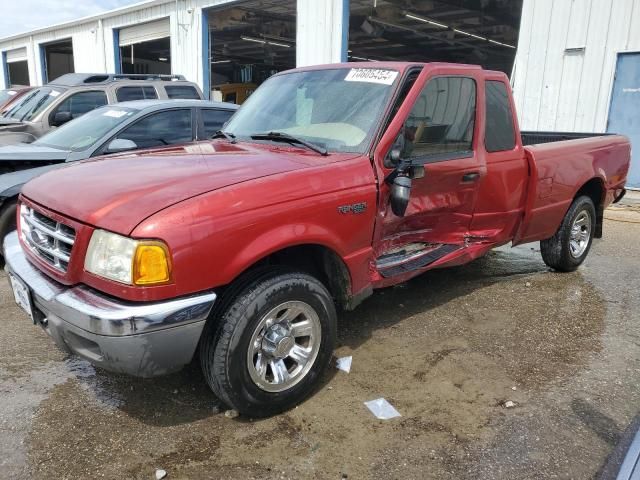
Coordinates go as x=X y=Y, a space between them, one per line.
x=447 y=349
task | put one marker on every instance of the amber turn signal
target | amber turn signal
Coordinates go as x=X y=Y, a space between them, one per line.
x=151 y=264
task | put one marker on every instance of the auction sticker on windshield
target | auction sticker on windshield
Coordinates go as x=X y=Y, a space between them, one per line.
x=371 y=75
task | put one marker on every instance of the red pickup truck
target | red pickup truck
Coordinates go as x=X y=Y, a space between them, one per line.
x=328 y=183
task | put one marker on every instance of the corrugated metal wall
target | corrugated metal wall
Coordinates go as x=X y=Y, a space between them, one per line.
x=566 y=61
x=93 y=41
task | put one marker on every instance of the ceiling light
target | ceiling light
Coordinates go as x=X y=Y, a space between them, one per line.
x=425 y=20
x=468 y=34
x=364 y=59
x=162 y=59
x=265 y=42
x=501 y=44
x=221 y=61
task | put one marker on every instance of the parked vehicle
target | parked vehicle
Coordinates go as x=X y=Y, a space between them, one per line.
x=328 y=183
x=75 y=94
x=11 y=95
x=111 y=129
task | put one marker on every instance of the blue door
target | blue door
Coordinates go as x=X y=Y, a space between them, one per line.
x=624 y=113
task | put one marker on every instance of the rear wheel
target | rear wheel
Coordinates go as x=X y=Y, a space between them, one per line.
x=568 y=248
x=270 y=342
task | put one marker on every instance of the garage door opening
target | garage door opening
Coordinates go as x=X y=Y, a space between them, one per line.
x=248 y=43
x=58 y=59
x=17 y=67
x=146 y=48
x=466 y=31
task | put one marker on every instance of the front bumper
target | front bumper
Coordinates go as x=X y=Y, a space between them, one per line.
x=141 y=339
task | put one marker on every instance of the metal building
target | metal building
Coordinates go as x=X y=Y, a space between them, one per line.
x=577 y=68
x=229 y=47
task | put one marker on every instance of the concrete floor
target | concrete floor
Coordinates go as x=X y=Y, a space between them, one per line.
x=447 y=349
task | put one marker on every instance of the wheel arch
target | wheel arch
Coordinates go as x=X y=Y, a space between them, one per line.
x=595 y=189
x=316 y=259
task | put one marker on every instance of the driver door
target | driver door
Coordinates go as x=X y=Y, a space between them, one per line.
x=437 y=130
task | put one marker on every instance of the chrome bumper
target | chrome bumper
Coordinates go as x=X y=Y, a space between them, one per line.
x=142 y=339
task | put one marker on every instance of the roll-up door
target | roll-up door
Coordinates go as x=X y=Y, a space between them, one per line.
x=17 y=55
x=144 y=32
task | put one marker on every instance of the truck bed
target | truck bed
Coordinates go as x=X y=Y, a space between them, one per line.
x=536 y=138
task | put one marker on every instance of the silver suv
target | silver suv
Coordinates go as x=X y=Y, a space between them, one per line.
x=74 y=94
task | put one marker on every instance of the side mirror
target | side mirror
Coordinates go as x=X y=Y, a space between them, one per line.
x=400 y=193
x=61 y=117
x=120 y=145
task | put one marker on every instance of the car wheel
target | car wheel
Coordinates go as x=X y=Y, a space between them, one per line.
x=568 y=248
x=7 y=221
x=266 y=348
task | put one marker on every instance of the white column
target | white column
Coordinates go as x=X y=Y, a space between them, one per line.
x=322 y=32
x=187 y=42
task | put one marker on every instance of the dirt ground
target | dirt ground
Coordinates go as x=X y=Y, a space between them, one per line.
x=447 y=349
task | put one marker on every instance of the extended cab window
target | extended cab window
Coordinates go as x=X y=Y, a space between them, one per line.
x=182 y=91
x=500 y=132
x=440 y=125
x=125 y=94
x=163 y=128
x=214 y=119
x=82 y=102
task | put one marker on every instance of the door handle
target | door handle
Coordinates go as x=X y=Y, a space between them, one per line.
x=470 y=177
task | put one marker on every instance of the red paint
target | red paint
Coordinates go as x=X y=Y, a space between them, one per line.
x=222 y=207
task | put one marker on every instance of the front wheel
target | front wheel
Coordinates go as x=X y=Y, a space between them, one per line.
x=568 y=248
x=270 y=344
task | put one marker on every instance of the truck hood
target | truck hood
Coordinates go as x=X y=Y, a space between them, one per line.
x=28 y=151
x=117 y=193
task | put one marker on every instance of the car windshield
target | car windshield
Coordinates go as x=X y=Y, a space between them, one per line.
x=33 y=103
x=83 y=132
x=6 y=95
x=337 y=109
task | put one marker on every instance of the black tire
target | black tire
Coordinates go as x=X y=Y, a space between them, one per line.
x=226 y=339
x=7 y=222
x=556 y=251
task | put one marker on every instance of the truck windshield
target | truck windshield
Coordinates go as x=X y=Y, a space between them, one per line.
x=33 y=103
x=337 y=109
x=83 y=132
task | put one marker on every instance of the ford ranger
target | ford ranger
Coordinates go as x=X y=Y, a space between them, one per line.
x=329 y=182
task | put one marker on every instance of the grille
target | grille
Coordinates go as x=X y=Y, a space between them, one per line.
x=50 y=240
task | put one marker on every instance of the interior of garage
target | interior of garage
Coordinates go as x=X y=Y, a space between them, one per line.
x=18 y=73
x=249 y=42
x=146 y=48
x=483 y=32
x=58 y=58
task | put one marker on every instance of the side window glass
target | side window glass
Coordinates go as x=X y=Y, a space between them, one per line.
x=82 y=102
x=182 y=91
x=441 y=121
x=125 y=94
x=214 y=119
x=500 y=132
x=159 y=129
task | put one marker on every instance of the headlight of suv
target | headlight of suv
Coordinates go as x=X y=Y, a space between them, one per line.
x=125 y=260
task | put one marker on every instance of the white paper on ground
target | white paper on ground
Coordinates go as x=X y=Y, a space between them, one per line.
x=382 y=409
x=344 y=364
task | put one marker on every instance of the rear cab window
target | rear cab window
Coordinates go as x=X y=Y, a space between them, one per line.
x=182 y=92
x=500 y=133
x=146 y=92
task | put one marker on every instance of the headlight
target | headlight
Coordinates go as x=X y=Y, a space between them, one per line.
x=124 y=260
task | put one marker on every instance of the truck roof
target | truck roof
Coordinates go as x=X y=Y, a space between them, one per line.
x=400 y=66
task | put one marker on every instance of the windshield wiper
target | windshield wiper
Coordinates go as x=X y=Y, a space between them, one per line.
x=228 y=135
x=285 y=137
